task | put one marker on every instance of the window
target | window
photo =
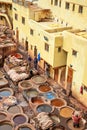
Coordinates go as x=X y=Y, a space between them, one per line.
x=23 y=20
x=10 y=7
x=85 y=88
x=73 y=7
x=60 y=3
x=51 y=2
x=31 y=47
x=56 y=2
x=80 y=9
x=46 y=47
x=46 y=38
x=74 y=53
x=16 y=16
x=59 y=49
x=31 y=31
x=67 y=5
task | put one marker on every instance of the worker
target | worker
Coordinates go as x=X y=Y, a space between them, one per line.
x=76 y=117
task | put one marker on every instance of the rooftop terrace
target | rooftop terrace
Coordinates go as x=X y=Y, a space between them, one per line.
x=82 y=33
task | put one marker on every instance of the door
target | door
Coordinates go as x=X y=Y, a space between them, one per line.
x=17 y=35
x=69 y=80
x=26 y=45
x=56 y=74
x=70 y=75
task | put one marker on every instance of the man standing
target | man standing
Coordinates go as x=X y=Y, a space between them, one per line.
x=35 y=63
x=29 y=60
x=76 y=119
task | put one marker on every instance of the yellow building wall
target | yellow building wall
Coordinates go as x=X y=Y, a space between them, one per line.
x=73 y=18
x=85 y=70
x=23 y=28
x=59 y=57
x=38 y=40
x=52 y=56
x=10 y=12
x=78 y=62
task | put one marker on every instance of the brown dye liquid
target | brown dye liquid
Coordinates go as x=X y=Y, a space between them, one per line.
x=38 y=79
x=2 y=116
x=20 y=119
x=57 y=102
x=44 y=88
x=37 y=100
x=5 y=127
x=25 y=84
x=66 y=112
x=32 y=93
x=14 y=109
x=24 y=128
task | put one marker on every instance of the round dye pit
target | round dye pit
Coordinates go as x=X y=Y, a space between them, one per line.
x=37 y=100
x=3 y=82
x=5 y=92
x=44 y=108
x=6 y=126
x=14 y=109
x=24 y=85
x=25 y=127
x=19 y=119
x=70 y=125
x=29 y=93
x=44 y=88
x=66 y=112
x=49 y=95
x=58 y=102
x=3 y=116
x=38 y=79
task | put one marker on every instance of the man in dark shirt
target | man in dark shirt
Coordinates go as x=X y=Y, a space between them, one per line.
x=29 y=60
x=35 y=62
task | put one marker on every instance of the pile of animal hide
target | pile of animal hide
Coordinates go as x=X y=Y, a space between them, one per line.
x=15 y=76
x=44 y=120
x=14 y=60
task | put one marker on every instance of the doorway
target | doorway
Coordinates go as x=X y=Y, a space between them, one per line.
x=26 y=45
x=56 y=74
x=69 y=80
